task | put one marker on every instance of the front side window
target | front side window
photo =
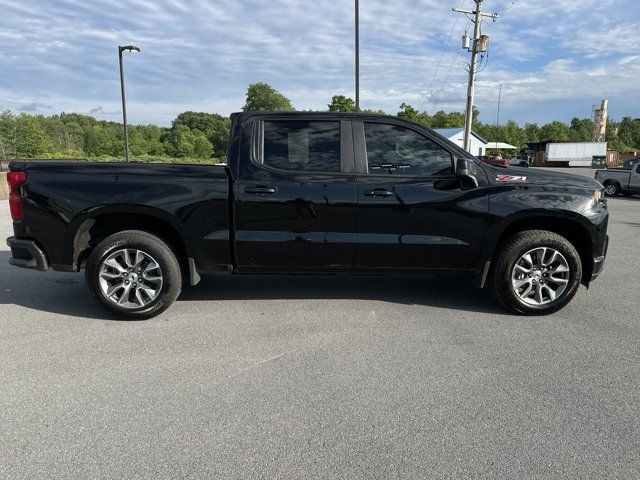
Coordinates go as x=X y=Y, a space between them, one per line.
x=302 y=146
x=395 y=150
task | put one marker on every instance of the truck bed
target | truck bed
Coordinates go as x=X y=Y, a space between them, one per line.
x=188 y=198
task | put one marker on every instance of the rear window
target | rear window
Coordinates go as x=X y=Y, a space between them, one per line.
x=304 y=146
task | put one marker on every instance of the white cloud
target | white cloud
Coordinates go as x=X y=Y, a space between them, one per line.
x=200 y=55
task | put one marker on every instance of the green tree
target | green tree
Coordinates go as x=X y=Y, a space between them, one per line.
x=182 y=142
x=152 y=135
x=532 y=132
x=261 y=97
x=214 y=126
x=201 y=145
x=447 y=120
x=410 y=113
x=581 y=129
x=512 y=133
x=99 y=141
x=341 y=103
x=628 y=132
x=31 y=139
x=7 y=134
x=555 y=131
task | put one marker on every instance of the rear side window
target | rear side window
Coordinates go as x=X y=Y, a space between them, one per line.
x=395 y=150
x=302 y=146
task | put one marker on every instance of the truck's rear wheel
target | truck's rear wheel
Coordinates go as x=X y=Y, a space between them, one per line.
x=612 y=189
x=536 y=272
x=134 y=274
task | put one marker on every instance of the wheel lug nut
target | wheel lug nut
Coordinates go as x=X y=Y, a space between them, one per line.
x=135 y=284
x=126 y=282
x=124 y=274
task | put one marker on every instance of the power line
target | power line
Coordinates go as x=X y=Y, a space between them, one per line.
x=444 y=50
x=446 y=78
x=513 y=4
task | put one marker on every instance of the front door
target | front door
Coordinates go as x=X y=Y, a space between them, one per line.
x=634 y=180
x=412 y=210
x=296 y=195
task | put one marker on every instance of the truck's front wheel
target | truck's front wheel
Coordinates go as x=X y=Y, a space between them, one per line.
x=536 y=272
x=134 y=274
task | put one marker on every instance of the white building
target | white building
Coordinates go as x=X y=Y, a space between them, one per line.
x=456 y=135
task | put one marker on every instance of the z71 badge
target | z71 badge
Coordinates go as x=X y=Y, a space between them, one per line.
x=511 y=178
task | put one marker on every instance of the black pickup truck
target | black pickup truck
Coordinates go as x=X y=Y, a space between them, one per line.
x=311 y=193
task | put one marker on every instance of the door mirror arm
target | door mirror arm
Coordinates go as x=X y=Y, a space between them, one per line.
x=465 y=171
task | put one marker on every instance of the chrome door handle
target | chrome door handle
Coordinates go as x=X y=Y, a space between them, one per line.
x=378 y=192
x=260 y=190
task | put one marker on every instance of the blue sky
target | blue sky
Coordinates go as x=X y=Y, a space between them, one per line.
x=555 y=58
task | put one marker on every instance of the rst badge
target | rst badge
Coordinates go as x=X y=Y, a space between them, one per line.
x=511 y=178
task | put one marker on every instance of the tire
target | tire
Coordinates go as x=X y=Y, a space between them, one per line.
x=114 y=261
x=547 y=281
x=612 y=189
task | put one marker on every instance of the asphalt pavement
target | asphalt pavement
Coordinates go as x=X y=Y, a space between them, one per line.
x=313 y=377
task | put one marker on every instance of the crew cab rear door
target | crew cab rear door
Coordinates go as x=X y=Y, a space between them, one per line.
x=296 y=194
x=412 y=210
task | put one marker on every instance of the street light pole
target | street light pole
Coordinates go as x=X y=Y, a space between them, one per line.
x=357 y=29
x=130 y=48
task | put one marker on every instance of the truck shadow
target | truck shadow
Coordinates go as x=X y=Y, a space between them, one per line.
x=49 y=292
x=66 y=293
x=440 y=293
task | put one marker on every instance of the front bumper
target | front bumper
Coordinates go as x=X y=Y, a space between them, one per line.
x=598 y=262
x=27 y=254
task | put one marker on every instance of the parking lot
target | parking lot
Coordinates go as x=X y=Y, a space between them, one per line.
x=313 y=377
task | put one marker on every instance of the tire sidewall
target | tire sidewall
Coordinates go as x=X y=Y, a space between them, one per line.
x=543 y=239
x=162 y=254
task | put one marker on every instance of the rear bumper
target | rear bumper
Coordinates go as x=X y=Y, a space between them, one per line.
x=27 y=254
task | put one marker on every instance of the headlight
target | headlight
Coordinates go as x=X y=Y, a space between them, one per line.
x=598 y=196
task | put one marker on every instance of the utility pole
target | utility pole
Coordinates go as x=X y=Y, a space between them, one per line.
x=499 y=100
x=478 y=44
x=357 y=55
x=130 y=48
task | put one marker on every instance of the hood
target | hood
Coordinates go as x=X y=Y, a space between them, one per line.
x=538 y=176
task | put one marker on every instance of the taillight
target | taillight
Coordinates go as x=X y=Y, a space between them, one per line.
x=16 y=178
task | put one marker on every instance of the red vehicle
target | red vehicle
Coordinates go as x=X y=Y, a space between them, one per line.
x=496 y=160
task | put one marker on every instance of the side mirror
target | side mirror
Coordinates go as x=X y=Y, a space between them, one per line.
x=465 y=171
